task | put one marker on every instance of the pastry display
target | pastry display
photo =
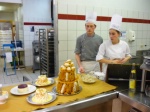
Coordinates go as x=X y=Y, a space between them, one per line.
x=22 y=88
x=41 y=96
x=67 y=82
x=42 y=80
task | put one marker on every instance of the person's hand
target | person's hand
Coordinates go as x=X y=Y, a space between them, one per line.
x=81 y=69
x=122 y=61
x=119 y=61
x=116 y=61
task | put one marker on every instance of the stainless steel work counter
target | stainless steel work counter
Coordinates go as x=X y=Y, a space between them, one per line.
x=137 y=100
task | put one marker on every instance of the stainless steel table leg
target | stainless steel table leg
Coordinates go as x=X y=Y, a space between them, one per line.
x=143 y=80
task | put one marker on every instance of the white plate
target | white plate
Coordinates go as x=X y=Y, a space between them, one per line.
x=14 y=90
x=51 y=82
x=29 y=99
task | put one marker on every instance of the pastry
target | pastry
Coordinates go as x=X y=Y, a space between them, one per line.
x=67 y=82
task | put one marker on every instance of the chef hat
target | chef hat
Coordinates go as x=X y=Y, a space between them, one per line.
x=116 y=21
x=91 y=17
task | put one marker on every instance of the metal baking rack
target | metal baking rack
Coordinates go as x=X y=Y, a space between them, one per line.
x=46 y=46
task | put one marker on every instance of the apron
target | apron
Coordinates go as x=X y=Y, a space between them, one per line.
x=90 y=66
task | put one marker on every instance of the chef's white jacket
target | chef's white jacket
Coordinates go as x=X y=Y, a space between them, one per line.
x=113 y=51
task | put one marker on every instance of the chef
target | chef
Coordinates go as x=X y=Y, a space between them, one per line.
x=87 y=46
x=113 y=51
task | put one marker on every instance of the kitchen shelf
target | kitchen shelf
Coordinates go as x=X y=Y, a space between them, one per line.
x=46 y=40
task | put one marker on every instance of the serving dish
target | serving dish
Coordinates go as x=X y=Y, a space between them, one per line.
x=29 y=99
x=14 y=90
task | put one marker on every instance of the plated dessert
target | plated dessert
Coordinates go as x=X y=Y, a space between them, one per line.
x=86 y=78
x=42 y=80
x=41 y=96
x=23 y=88
x=67 y=82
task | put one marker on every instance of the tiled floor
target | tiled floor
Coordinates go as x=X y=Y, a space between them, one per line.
x=4 y=79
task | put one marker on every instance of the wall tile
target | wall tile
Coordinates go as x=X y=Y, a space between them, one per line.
x=81 y=25
x=129 y=26
x=146 y=15
x=71 y=45
x=81 y=9
x=104 y=26
x=62 y=35
x=112 y=11
x=80 y=32
x=62 y=25
x=98 y=25
x=98 y=10
x=145 y=27
x=89 y=9
x=130 y=14
x=145 y=35
x=72 y=35
x=62 y=8
x=63 y=45
x=98 y=32
x=118 y=11
x=71 y=55
x=72 y=25
x=135 y=14
x=124 y=26
x=105 y=11
x=63 y=55
x=141 y=15
x=124 y=13
x=134 y=26
x=104 y=34
x=72 y=9
x=140 y=26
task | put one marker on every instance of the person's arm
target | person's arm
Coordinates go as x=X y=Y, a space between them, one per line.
x=104 y=60
x=81 y=69
x=101 y=67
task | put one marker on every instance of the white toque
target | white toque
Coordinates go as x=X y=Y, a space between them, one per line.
x=91 y=17
x=116 y=21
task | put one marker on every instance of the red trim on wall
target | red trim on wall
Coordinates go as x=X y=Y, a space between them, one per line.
x=35 y=23
x=101 y=18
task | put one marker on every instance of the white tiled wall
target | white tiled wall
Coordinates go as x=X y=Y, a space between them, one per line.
x=34 y=11
x=69 y=30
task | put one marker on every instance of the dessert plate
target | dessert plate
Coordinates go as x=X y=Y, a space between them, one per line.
x=54 y=90
x=29 y=99
x=14 y=90
x=51 y=82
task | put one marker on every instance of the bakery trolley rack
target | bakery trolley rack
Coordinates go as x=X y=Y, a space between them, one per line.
x=5 y=62
x=46 y=45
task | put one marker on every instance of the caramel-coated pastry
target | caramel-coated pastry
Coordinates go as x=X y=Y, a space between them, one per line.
x=66 y=64
x=72 y=64
x=68 y=61
x=67 y=81
x=68 y=69
x=73 y=68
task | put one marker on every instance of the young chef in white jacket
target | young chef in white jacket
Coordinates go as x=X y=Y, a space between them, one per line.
x=113 y=51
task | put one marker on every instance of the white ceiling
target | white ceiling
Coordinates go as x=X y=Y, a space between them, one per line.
x=8 y=7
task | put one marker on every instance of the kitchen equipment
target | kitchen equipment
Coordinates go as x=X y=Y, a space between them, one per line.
x=145 y=67
x=47 y=63
x=36 y=60
x=5 y=47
